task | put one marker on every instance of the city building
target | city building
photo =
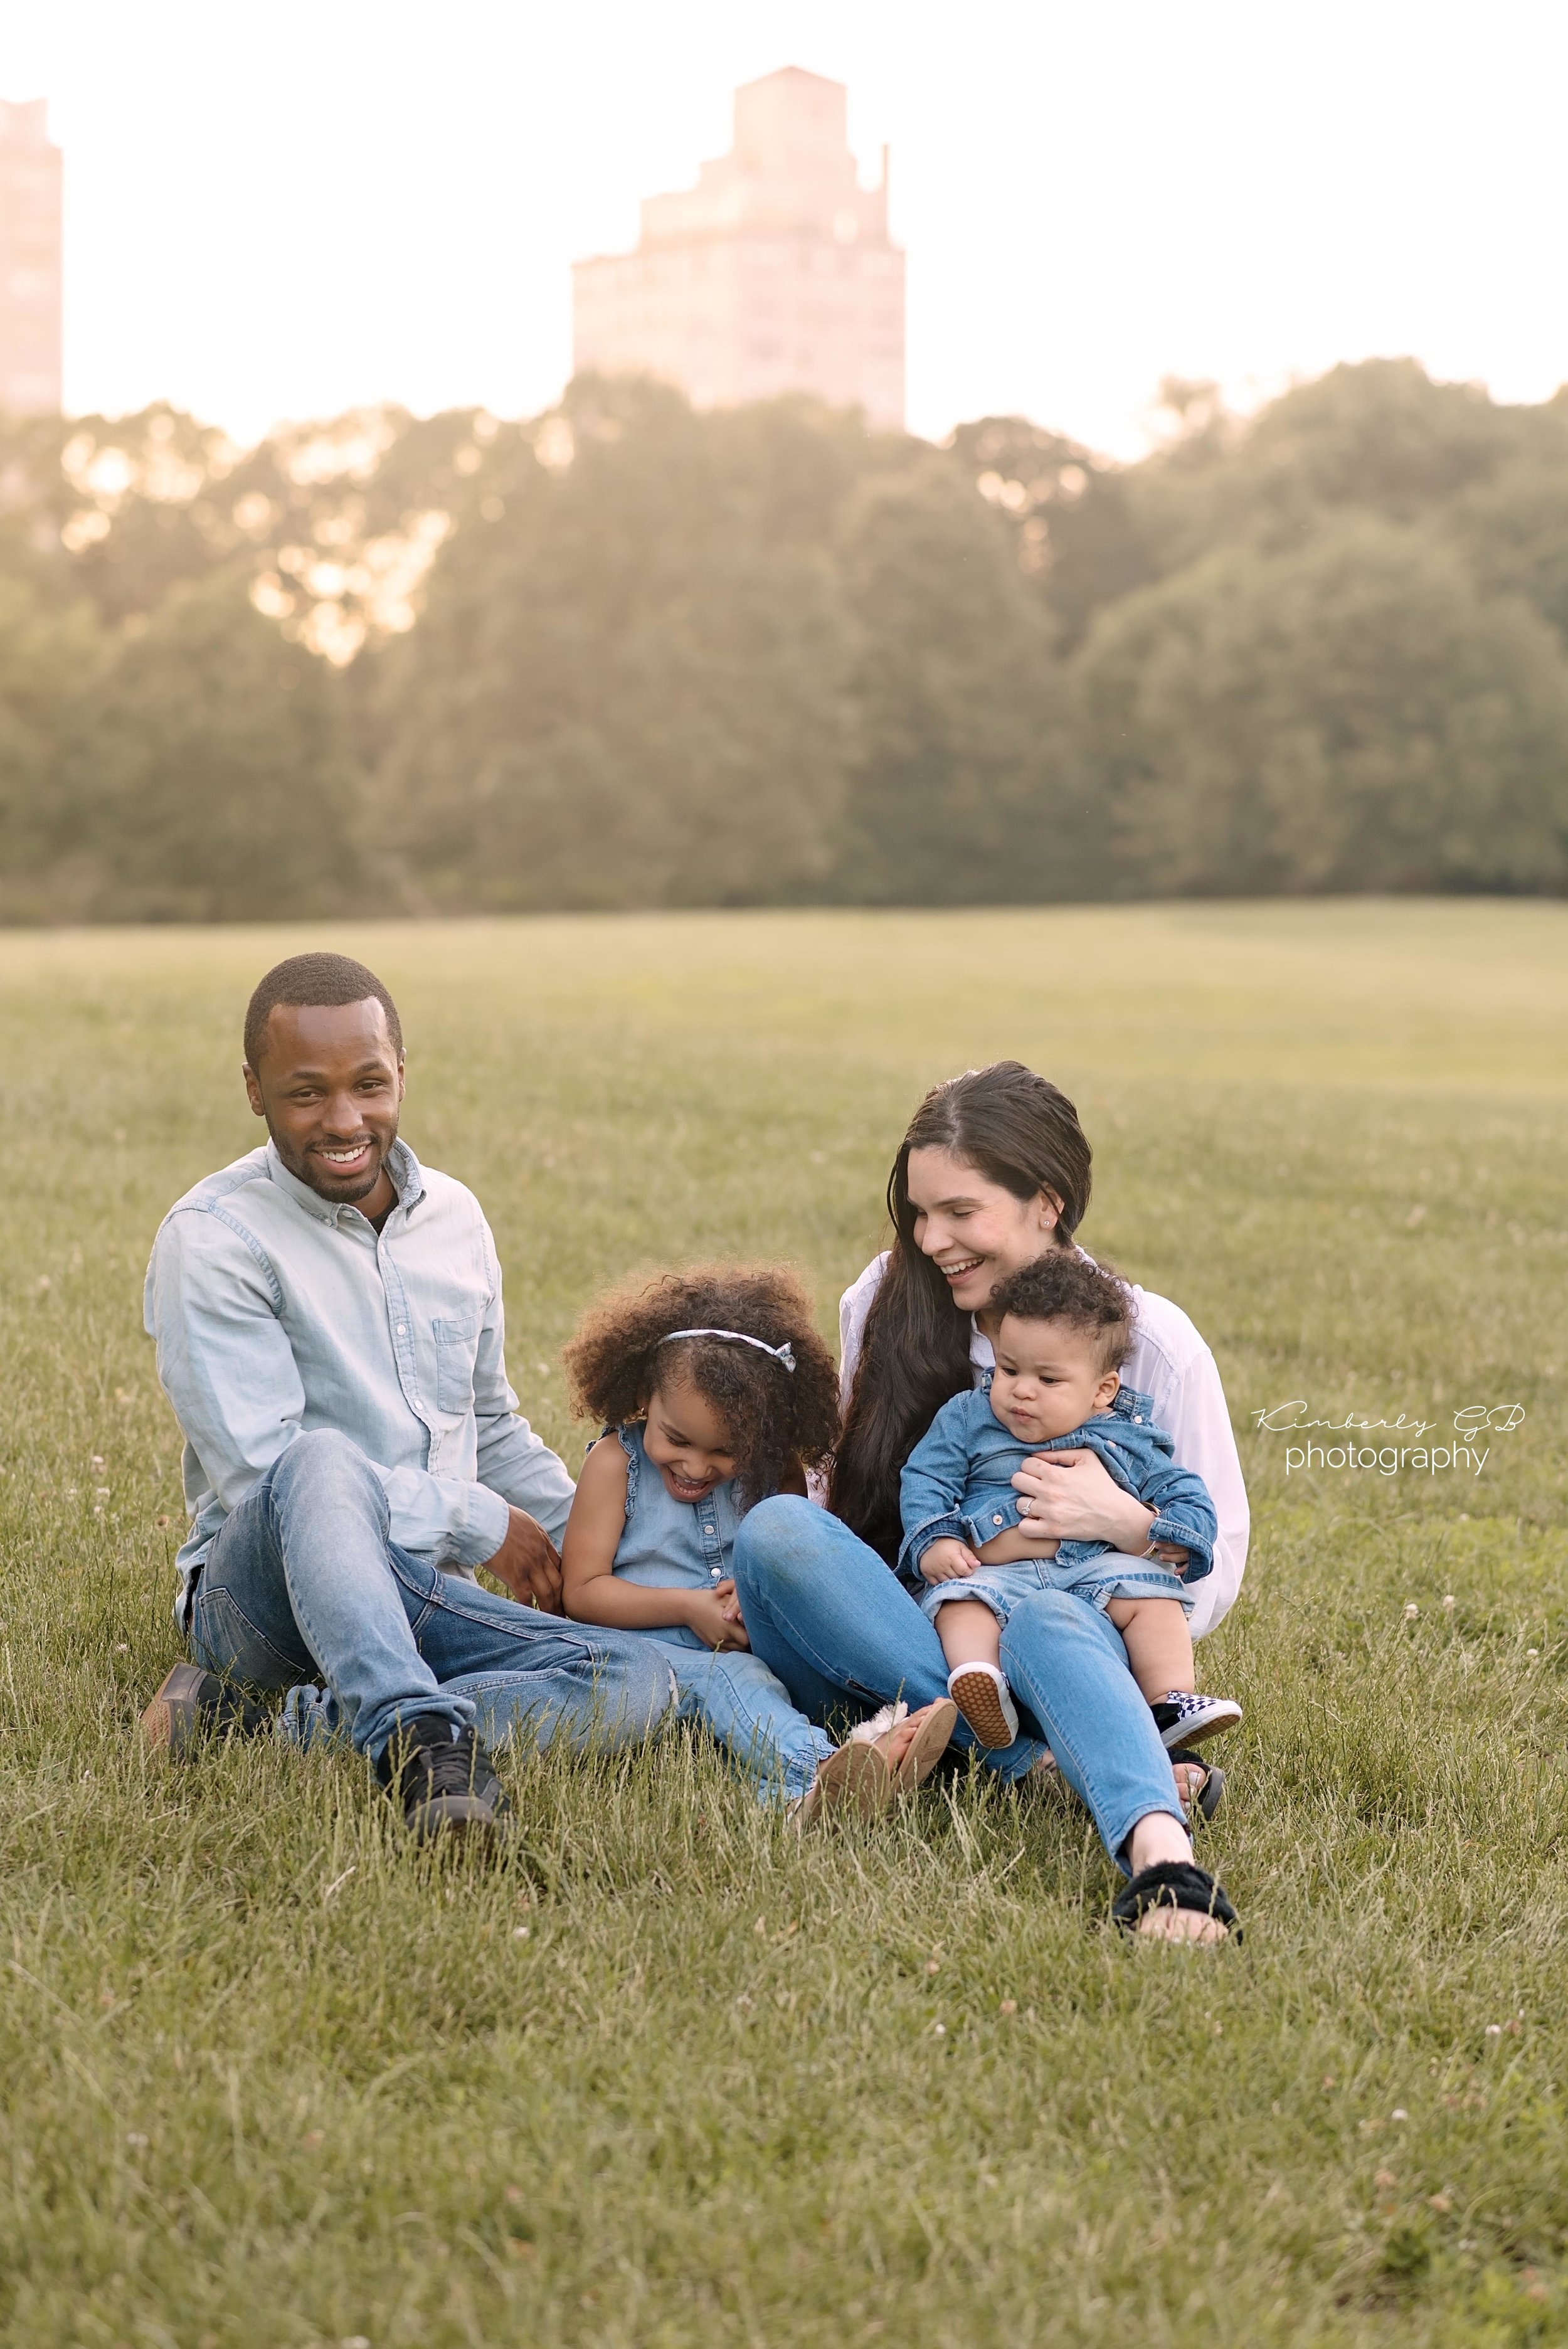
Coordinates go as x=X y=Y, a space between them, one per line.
x=29 y=262
x=774 y=274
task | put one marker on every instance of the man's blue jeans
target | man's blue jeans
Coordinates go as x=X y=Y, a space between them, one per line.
x=302 y=1582
x=833 y=1621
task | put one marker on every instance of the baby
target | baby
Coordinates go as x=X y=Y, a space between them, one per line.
x=1066 y=1328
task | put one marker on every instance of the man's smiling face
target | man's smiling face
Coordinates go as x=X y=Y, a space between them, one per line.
x=330 y=1086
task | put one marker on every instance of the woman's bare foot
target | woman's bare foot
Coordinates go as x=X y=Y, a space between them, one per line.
x=1181 y=1924
x=916 y=1730
x=1188 y=1778
x=1156 y=1837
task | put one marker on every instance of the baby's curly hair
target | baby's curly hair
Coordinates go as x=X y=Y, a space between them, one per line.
x=774 y=1418
x=1065 y=1287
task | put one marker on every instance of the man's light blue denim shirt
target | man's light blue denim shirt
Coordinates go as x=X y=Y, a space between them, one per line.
x=275 y=1311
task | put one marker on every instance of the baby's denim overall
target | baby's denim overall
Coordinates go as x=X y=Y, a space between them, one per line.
x=670 y=1545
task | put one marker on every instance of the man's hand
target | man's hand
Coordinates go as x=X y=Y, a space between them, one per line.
x=715 y=1618
x=529 y=1563
x=948 y=1559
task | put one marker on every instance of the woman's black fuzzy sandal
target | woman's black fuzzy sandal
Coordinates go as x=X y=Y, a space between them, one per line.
x=1175 y=1884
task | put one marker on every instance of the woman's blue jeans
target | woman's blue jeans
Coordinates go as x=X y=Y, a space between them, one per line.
x=835 y=1624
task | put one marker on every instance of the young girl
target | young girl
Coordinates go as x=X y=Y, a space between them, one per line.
x=715 y=1391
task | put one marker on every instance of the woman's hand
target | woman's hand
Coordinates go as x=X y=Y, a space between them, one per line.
x=1074 y=1496
x=709 y=1614
x=946 y=1559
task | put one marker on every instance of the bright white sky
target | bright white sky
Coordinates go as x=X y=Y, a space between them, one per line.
x=279 y=210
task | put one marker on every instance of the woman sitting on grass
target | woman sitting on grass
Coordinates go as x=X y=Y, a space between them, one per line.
x=715 y=1391
x=993 y=1170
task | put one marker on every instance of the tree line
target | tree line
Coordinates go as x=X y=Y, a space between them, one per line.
x=622 y=654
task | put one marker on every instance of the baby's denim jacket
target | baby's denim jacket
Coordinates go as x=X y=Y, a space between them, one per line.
x=958 y=1481
x=672 y=1545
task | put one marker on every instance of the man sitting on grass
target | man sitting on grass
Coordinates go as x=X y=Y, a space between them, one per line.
x=328 y=1320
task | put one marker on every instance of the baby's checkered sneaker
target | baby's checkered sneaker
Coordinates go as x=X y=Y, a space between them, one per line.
x=1185 y=1720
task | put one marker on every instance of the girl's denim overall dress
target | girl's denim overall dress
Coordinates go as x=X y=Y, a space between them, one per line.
x=670 y=1545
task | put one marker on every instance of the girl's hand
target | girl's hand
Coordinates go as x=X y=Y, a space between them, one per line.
x=947 y=1559
x=1074 y=1496
x=726 y=1590
x=706 y=1613
x=1170 y=1554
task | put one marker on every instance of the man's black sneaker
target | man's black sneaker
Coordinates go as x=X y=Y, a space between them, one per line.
x=1184 y=1720
x=193 y=1704
x=446 y=1784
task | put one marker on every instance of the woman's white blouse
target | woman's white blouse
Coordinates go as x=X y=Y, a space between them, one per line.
x=1171 y=1365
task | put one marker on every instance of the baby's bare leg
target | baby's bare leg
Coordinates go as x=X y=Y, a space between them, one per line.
x=971 y=1640
x=969 y=1632
x=1158 y=1644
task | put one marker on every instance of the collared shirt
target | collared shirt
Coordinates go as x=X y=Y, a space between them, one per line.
x=276 y=1312
x=1171 y=1365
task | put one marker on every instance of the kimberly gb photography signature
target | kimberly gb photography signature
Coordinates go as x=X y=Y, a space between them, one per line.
x=1408 y=1450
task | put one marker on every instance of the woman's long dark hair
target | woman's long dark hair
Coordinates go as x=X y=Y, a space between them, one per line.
x=1019 y=1130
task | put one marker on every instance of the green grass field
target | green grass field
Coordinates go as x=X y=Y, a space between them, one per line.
x=668 y=2077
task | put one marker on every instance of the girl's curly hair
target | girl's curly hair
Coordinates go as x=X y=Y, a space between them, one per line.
x=774 y=1418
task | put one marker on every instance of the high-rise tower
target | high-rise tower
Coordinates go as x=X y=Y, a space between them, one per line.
x=774 y=274
x=29 y=262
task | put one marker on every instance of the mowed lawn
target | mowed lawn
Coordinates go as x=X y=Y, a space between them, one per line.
x=666 y=2077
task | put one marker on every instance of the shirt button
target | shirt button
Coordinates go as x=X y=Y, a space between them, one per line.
x=402 y=1329
x=995 y=1521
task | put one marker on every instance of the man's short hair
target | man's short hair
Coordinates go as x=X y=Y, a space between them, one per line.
x=323 y=979
x=1066 y=1286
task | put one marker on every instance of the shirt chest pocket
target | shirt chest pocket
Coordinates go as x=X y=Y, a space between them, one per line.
x=457 y=1342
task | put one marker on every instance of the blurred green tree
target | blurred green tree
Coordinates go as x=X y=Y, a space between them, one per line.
x=963 y=785
x=1350 y=715
x=1380 y=438
x=52 y=663
x=628 y=683
x=221 y=786
x=1513 y=529
x=622 y=654
x=1079 y=534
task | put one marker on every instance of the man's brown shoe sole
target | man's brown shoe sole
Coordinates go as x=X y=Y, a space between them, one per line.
x=174 y=1716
